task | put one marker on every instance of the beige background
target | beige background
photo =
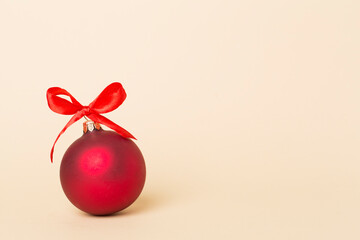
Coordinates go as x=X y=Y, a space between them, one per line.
x=247 y=113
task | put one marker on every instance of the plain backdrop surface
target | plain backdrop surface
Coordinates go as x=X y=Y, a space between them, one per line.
x=247 y=113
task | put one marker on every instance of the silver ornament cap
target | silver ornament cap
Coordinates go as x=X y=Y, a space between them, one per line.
x=89 y=126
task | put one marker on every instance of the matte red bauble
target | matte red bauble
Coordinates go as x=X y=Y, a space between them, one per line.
x=102 y=172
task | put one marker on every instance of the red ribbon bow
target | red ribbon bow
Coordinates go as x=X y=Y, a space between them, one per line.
x=108 y=100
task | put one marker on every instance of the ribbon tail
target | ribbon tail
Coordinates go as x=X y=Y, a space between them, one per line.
x=101 y=119
x=74 y=118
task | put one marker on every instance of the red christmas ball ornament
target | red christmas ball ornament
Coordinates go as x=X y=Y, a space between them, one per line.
x=102 y=172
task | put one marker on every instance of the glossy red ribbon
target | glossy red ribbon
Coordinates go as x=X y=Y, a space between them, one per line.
x=108 y=100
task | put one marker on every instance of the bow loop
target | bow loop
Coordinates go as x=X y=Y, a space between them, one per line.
x=61 y=105
x=108 y=100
